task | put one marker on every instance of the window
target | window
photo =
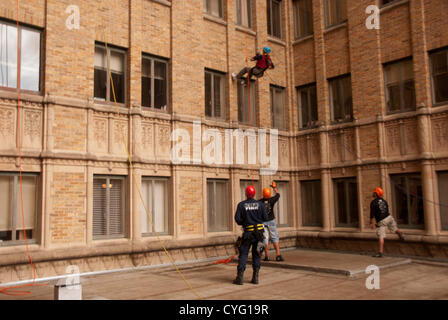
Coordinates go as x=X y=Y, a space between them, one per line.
x=245 y=183
x=346 y=202
x=443 y=199
x=341 y=99
x=274 y=18
x=218 y=205
x=278 y=107
x=439 y=67
x=311 y=203
x=213 y=7
x=335 y=12
x=408 y=200
x=11 y=225
x=307 y=100
x=281 y=208
x=155 y=194
x=246 y=115
x=400 y=90
x=214 y=94
x=303 y=18
x=108 y=207
x=154 y=83
x=114 y=60
x=244 y=13
x=30 y=43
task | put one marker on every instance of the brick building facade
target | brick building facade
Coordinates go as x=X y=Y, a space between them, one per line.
x=356 y=108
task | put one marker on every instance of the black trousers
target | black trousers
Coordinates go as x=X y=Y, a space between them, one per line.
x=250 y=240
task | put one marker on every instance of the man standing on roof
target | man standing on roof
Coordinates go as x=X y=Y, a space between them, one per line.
x=270 y=226
x=264 y=62
x=380 y=216
x=250 y=214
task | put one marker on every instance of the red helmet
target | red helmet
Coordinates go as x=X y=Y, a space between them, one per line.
x=379 y=192
x=250 y=192
x=266 y=193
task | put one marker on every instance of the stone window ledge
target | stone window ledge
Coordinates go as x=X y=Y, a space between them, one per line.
x=246 y=30
x=276 y=40
x=392 y=5
x=303 y=39
x=215 y=19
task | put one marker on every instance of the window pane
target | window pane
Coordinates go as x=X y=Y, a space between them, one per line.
x=439 y=62
x=276 y=19
x=211 y=210
x=146 y=92
x=441 y=87
x=278 y=108
x=353 y=201
x=342 y=104
x=221 y=205
x=311 y=203
x=208 y=94
x=118 y=87
x=304 y=106
x=29 y=204
x=346 y=202
x=269 y=16
x=160 y=85
x=144 y=212
x=6 y=185
x=8 y=56
x=399 y=77
x=160 y=206
x=408 y=200
x=443 y=199
x=393 y=102
x=281 y=207
x=217 y=95
x=116 y=207
x=303 y=18
x=100 y=77
x=409 y=95
x=243 y=97
x=99 y=207
x=30 y=63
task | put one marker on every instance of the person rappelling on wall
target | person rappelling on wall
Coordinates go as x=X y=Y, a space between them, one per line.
x=250 y=214
x=264 y=62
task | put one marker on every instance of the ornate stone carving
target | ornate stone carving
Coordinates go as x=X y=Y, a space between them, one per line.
x=147 y=135
x=440 y=134
x=7 y=122
x=412 y=145
x=33 y=124
x=100 y=133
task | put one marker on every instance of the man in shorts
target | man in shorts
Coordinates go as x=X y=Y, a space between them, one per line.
x=271 y=233
x=380 y=216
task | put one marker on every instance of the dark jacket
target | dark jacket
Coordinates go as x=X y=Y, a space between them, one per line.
x=263 y=61
x=250 y=212
x=269 y=204
x=379 y=209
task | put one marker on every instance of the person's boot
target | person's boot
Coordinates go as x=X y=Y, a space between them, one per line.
x=239 y=278
x=255 y=277
x=400 y=235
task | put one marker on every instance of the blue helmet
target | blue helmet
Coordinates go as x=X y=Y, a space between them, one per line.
x=267 y=50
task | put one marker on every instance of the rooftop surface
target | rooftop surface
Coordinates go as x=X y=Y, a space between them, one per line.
x=305 y=274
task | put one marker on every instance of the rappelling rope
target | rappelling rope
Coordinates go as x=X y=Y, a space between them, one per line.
x=135 y=180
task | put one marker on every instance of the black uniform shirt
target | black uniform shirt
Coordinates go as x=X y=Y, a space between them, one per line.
x=250 y=212
x=269 y=204
x=379 y=209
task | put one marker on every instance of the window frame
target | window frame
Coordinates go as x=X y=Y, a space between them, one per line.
x=340 y=80
x=124 y=200
x=338 y=18
x=109 y=95
x=271 y=18
x=297 y=24
x=41 y=56
x=152 y=59
x=167 y=205
x=223 y=99
x=239 y=14
x=433 y=89
x=228 y=227
x=207 y=10
x=243 y=107
x=310 y=123
x=408 y=197
x=348 y=213
x=401 y=82
x=16 y=187
x=274 y=90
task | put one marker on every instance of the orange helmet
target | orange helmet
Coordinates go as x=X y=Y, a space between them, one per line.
x=250 y=192
x=379 y=192
x=266 y=193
